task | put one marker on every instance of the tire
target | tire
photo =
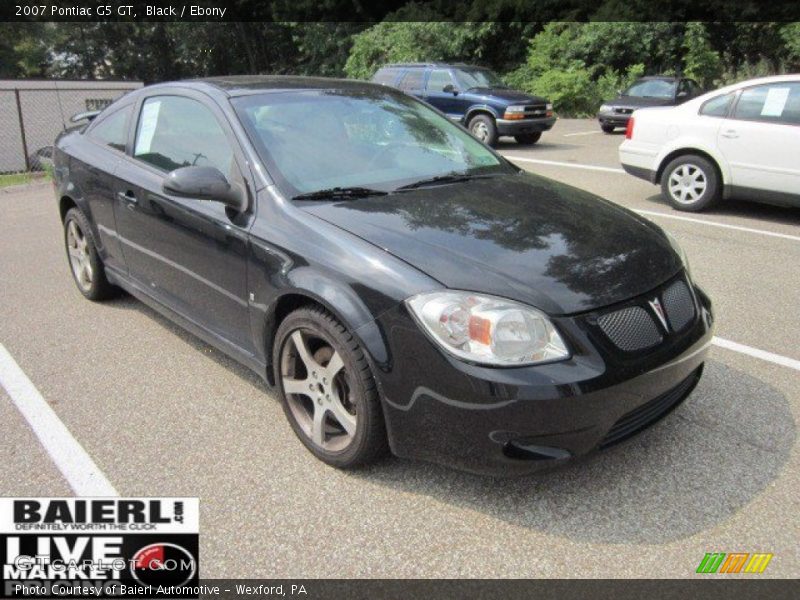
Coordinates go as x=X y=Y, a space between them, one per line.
x=85 y=264
x=607 y=128
x=313 y=389
x=483 y=128
x=691 y=183
x=528 y=139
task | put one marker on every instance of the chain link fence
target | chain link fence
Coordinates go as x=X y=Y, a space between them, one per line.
x=33 y=113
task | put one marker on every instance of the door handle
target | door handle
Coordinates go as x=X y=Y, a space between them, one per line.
x=730 y=134
x=128 y=197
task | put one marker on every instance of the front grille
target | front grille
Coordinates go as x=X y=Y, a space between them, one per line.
x=642 y=417
x=630 y=329
x=644 y=324
x=679 y=305
x=623 y=111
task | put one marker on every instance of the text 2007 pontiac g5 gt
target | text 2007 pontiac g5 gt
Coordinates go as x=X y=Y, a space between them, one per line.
x=401 y=285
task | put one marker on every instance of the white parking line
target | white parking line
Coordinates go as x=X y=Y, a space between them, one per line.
x=784 y=361
x=556 y=163
x=786 y=236
x=77 y=467
x=581 y=133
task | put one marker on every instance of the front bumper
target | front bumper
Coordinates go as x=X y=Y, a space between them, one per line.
x=522 y=126
x=615 y=119
x=507 y=421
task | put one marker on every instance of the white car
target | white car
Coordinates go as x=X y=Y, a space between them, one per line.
x=741 y=141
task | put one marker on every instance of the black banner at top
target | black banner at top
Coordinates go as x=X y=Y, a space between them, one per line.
x=398 y=10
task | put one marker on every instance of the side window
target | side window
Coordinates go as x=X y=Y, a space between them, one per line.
x=717 y=107
x=438 y=79
x=771 y=103
x=113 y=129
x=385 y=76
x=412 y=80
x=174 y=132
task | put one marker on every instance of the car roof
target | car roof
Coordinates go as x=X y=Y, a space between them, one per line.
x=660 y=77
x=430 y=64
x=242 y=85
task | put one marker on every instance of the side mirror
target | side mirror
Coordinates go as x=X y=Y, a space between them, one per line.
x=450 y=89
x=203 y=183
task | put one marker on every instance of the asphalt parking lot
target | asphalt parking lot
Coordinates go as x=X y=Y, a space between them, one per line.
x=162 y=414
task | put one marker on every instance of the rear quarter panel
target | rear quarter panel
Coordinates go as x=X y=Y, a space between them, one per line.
x=660 y=133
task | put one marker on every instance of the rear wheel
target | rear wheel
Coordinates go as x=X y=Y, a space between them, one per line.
x=84 y=261
x=328 y=391
x=484 y=129
x=690 y=183
x=528 y=138
x=607 y=128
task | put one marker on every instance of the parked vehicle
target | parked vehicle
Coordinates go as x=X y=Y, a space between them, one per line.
x=475 y=97
x=647 y=91
x=400 y=284
x=742 y=141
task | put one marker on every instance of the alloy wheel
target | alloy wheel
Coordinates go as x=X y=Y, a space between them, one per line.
x=315 y=383
x=687 y=183
x=79 y=255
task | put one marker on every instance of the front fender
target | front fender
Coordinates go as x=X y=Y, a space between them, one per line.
x=481 y=108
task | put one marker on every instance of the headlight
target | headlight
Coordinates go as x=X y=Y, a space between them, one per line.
x=488 y=330
x=604 y=108
x=548 y=106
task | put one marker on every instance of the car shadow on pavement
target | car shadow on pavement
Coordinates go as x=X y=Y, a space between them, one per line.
x=128 y=302
x=780 y=215
x=698 y=467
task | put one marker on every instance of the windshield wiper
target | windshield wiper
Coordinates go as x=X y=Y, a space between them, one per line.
x=339 y=193
x=448 y=178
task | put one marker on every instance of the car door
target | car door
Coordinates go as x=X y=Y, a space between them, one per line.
x=760 y=139
x=189 y=254
x=435 y=94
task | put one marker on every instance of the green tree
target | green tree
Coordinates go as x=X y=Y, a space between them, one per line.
x=701 y=61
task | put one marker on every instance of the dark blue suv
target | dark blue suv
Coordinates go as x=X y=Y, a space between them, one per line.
x=474 y=96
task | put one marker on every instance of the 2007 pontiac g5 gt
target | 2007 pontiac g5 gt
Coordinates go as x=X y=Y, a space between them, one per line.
x=402 y=286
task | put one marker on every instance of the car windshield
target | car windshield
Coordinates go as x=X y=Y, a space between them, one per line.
x=313 y=140
x=651 y=88
x=475 y=78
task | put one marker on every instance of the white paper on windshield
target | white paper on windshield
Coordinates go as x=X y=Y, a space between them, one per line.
x=147 y=127
x=775 y=102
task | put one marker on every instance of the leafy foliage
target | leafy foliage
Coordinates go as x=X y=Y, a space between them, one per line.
x=575 y=64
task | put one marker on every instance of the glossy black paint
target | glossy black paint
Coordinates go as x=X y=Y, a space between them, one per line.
x=519 y=236
x=229 y=276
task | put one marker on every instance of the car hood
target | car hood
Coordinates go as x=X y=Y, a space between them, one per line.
x=519 y=236
x=506 y=95
x=638 y=101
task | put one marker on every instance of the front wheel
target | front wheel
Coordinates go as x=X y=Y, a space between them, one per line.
x=607 y=128
x=328 y=391
x=528 y=138
x=483 y=128
x=690 y=183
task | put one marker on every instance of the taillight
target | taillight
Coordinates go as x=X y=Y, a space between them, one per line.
x=629 y=129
